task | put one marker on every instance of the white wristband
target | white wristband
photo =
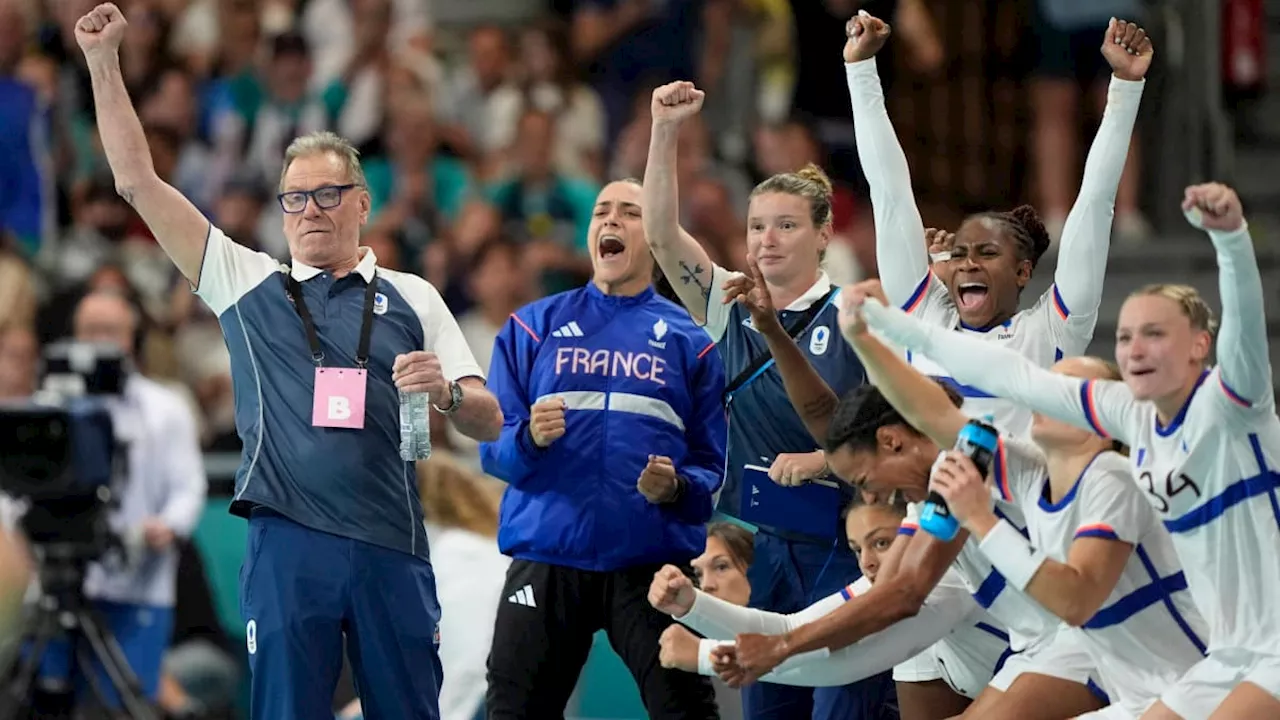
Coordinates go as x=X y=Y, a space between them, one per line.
x=705 y=646
x=1012 y=554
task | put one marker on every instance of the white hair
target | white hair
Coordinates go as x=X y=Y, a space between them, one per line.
x=321 y=143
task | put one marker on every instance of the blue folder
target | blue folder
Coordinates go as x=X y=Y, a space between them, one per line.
x=811 y=509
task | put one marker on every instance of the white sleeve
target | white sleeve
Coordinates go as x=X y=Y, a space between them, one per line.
x=946 y=608
x=717 y=309
x=440 y=331
x=183 y=468
x=714 y=618
x=1086 y=236
x=901 y=254
x=1104 y=407
x=1244 y=369
x=230 y=270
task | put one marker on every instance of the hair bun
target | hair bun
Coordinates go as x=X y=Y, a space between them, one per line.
x=815 y=175
x=1029 y=219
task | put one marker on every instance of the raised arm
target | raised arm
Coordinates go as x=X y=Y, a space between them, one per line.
x=1243 y=357
x=176 y=223
x=922 y=402
x=901 y=254
x=1086 y=236
x=1103 y=407
x=684 y=261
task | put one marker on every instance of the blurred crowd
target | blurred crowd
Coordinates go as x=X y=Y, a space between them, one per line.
x=483 y=146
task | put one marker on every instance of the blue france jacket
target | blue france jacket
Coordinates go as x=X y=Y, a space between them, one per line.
x=639 y=378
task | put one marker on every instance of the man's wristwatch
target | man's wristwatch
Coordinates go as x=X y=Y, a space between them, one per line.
x=455 y=399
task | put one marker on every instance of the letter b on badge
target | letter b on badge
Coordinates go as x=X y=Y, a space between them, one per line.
x=339 y=399
x=339 y=407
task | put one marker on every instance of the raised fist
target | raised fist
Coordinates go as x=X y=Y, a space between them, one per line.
x=101 y=30
x=1127 y=49
x=671 y=591
x=676 y=101
x=546 y=421
x=867 y=34
x=1213 y=206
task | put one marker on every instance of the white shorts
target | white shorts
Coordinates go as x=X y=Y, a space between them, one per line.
x=1203 y=688
x=964 y=660
x=1062 y=656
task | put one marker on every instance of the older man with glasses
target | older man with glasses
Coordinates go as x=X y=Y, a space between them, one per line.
x=319 y=351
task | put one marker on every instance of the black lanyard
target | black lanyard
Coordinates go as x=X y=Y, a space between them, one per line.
x=366 y=323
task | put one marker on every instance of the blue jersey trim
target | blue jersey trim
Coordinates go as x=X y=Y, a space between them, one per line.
x=990 y=590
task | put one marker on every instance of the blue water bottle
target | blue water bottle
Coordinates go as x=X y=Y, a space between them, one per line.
x=977 y=440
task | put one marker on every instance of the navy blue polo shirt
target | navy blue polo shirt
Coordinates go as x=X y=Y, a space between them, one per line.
x=762 y=422
x=346 y=482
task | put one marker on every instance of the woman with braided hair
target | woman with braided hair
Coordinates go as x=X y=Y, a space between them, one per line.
x=972 y=280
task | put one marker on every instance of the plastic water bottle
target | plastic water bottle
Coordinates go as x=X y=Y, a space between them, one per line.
x=977 y=440
x=415 y=427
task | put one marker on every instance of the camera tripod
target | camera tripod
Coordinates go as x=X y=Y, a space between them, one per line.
x=63 y=614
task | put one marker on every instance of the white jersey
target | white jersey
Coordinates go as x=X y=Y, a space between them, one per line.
x=1062 y=321
x=1211 y=473
x=1026 y=620
x=1148 y=631
x=950 y=624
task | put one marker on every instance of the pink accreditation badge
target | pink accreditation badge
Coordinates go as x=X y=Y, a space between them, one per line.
x=339 y=399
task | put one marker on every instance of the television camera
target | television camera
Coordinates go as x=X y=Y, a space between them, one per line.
x=59 y=461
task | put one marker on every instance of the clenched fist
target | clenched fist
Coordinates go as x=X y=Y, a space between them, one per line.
x=1213 y=206
x=678 y=649
x=671 y=591
x=101 y=30
x=675 y=101
x=1127 y=50
x=658 y=482
x=867 y=34
x=546 y=421
x=796 y=469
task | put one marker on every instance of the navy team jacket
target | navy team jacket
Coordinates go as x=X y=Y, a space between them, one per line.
x=639 y=378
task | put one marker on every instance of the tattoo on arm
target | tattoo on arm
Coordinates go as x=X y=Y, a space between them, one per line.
x=128 y=196
x=694 y=275
x=820 y=407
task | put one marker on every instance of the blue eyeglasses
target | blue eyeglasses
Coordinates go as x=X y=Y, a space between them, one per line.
x=326 y=198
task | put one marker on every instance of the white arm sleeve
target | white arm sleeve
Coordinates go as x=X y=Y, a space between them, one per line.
x=1086 y=236
x=947 y=607
x=901 y=254
x=1103 y=407
x=1243 y=356
x=714 y=618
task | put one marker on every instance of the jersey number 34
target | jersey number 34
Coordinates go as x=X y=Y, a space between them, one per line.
x=1161 y=500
